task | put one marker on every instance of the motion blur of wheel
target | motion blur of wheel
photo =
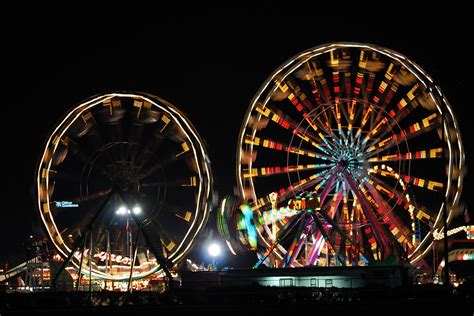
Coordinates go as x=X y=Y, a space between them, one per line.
x=346 y=156
x=124 y=181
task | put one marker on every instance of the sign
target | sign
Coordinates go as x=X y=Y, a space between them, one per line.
x=102 y=256
x=66 y=204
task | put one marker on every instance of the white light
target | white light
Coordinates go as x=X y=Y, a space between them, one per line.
x=137 y=210
x=214 y=250
x=121 y=211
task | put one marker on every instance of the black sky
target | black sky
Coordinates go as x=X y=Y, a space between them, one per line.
x=209 y=62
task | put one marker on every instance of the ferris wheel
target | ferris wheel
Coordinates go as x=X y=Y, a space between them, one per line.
x=123 y=186
x=345 y=156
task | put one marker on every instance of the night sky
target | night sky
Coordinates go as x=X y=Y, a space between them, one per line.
x=207 y=62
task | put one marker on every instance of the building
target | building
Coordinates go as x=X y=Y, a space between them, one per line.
x=321 y=277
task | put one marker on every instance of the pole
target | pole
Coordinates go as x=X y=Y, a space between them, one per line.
x=446 y=281
x=132 y=263
x=90 y=268
x=79 y=274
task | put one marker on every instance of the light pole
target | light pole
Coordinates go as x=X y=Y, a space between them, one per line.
x=136 y=210
x=123 y=211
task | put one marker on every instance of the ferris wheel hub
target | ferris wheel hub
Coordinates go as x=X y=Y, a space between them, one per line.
x=343 y=163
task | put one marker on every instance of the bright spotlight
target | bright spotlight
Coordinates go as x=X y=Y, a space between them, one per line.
x=214 y=250
x=121 y=211
x=137 y=210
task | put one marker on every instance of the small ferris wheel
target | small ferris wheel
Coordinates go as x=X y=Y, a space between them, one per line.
x=123 y=186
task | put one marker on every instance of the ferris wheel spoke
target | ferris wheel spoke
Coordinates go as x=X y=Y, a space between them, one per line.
x=387 y=171
x=164 y=129
x=166 y=162
x=391 y=193
x=369 y=213
x=385 y=82
x=330 y=134
x=149 y=150
x=387 y=89
x=404 y=107
x=342 y=135
x=422 y=183
x=135 y=136
x=113 y=134
x=285 y=193
x=98 y=141
x=318 y=142
x=371 y=65
x=364 y=120
x=269 y=171
x=417 y=155
x=367 y=232
x=401 y=77
x=83 y=155
x=380 y=126
x=414 y=130
x=314 y=74
x=299 y=100
x=359 y=91
x=329 y=183
x=397 y=228
x=188 y=182
x=274 y=145
x=92 y=196
x=289 y=88
x=173 y=211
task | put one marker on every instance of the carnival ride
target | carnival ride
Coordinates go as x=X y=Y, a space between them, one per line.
x=123 y=186
x=346 y=156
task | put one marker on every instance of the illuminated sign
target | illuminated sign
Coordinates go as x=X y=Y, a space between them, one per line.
x=66 y=204
x=102 y=256
x=114 y=258
x=304 y=204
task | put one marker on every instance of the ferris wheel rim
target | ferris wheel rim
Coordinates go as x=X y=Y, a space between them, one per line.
x=199 y=153
x=287 y=67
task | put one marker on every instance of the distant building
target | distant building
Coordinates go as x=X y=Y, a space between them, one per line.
x=339 y=277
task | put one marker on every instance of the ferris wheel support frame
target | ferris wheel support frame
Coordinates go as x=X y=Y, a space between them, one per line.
x=164 y=263
x=142 y=227
x=80 y=241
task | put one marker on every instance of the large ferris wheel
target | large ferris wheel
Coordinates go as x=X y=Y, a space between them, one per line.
x=123 y=186
x=346 y=155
